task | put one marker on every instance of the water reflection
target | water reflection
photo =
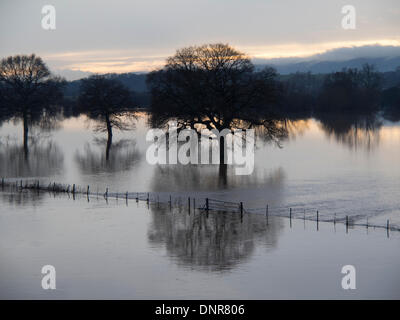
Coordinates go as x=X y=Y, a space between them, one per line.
x=121 y=156
x=353 y=131
x=44 y=159
x=22 y=198
x=210 y=242
x=208 y=177
x=297 y=127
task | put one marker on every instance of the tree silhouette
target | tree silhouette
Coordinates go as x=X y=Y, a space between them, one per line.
x=391 y=103
x=351 y=91
x=215 y=86
x=108 y=102
x=28 y=91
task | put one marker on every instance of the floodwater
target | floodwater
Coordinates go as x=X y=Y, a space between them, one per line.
x=116 y=250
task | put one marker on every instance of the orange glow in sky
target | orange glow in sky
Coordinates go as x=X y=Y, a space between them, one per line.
x=120 y=61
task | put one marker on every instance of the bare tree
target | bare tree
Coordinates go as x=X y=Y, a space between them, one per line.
x=216 y=86
x=28 y=90
x=108 y=102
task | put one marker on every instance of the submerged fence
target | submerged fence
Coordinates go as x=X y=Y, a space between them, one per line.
x=203 y=204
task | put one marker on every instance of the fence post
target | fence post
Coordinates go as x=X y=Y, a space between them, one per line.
x=387 y=228
x=347 y=223
x=266 y=213
x=189 y=204
x=317 y=219
x=207 y=208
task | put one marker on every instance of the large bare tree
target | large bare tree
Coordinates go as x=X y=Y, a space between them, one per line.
x=28 y=90
x=216 y=86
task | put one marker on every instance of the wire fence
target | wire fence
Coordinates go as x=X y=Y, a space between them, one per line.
x=199 y=203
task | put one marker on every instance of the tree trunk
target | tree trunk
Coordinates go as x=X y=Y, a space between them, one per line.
x=222 y=150
x=109 y=139
x=223 y=167
x=223 y=175
x=26 y=131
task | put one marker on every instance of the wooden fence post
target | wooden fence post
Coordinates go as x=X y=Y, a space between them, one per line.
x=387 y=228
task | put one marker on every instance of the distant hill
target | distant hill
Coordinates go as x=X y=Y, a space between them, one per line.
x=135 y=82
x=383 y=64
x=385 y=58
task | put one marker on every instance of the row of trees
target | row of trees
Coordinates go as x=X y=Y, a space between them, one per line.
x=212 y=86
x=350 y=91
x=30 y=93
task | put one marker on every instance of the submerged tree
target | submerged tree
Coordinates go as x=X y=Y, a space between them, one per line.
x=215 y=86
x=108 y=102
x=28 y=91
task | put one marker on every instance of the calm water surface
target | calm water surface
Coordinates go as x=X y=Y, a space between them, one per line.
x=111 y=250
x=337 y=170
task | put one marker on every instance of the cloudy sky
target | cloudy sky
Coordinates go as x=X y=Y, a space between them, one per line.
x=123 y=36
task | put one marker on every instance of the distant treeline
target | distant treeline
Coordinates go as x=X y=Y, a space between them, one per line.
x=350 y=91
x=301 y=93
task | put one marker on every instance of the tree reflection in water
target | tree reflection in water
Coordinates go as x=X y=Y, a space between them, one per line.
x=45 y=159
x=122 y=156
x=354 y=131
x=217 y=241
x=22 y=198
x=208 y=178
